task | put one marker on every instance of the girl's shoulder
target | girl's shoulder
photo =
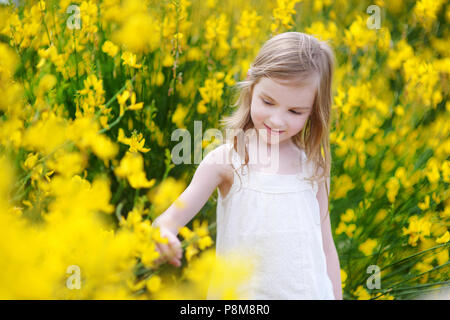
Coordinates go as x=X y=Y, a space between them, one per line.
x=222 y=158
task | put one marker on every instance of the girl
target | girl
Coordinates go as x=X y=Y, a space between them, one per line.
x=277 y=215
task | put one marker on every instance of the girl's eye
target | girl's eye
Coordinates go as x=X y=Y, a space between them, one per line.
x=271 y=104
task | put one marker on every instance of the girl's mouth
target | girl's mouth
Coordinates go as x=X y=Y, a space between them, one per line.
x=273 y=131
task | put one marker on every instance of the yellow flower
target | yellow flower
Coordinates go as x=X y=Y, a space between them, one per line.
x=201 y=108
x=341 y=228
x=205 y=242
x=179 y=116
x=191 y=251
x=350 y=229
x=283 y=15
x=348 y=216
x=187 y=234
x=343 y=277
x=343 y=184
x=212 y=91
x=159 y=79
x=67 y=163
x=136 y=142
x=426 y=11
x=46 y=84
x=426 y=204
x=216 y=34
x=361 y=293
x=136 y=22
x=165 y=194
x=153 y=283
x=381 y=214
x=201 y=229
x=392 y=189
x=132 y=167
x=129 y=59
x=445 y=168
x=423 y=267
x=244 y=30
x=31 y=160
x=134 y=217
x=110 y=48
x=368 y=246
x=432 y=170
x=322 y=32
x=168 y=60
x=417 y=229
x=402 y=53
x=194 y=54
x=122 y=98
x=357 y=36
x=386 y=296
x=134 y=105
x=444 y=239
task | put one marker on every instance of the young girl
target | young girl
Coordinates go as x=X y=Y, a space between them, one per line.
x=278 y=214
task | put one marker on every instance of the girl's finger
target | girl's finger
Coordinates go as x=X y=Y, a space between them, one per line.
x=163 y=251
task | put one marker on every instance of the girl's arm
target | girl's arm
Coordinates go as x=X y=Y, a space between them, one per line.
x=209 y=174
x=333 y=267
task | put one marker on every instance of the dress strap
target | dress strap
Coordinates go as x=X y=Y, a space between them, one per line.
x=236 y=159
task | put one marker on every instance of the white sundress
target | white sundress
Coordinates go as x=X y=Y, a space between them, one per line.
x=274 y=219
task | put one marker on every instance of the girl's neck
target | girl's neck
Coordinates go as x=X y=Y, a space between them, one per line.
x=283 y=147
x=282 y=158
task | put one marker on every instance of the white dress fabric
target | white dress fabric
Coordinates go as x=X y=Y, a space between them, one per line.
x=275 y=219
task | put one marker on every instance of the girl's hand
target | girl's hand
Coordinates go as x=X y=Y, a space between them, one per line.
x=171 y=251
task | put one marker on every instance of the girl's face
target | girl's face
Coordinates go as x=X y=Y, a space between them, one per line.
x=281 y=108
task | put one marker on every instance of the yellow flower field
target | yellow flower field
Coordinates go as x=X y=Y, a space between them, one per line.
x=91 y=92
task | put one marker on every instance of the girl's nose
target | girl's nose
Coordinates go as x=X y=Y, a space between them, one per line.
x=276 y=123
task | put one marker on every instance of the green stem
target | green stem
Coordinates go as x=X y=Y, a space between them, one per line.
x=118 y=193
x=423 y=285
x=415 y=255
x=111 y=125
x=76 y=56
x=45 y=24
x=413 y=277
x=417 y=291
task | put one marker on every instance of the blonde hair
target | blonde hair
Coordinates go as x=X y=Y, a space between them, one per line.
x=291 y=56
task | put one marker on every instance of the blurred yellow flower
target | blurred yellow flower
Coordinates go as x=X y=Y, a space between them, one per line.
x=343 y=278
x=129 y=59
x=134 y=105
x=358 y=36
x=132 y=167
x=282 y=14
x=444 y=239
x=348 y=216
x=368 y=246
x=153 y=283
x=212 y=91
x=322 y=32
x=361 y=293
x=418 y=228
x=425 y=204
x=201 y=108
x=110 y=48
x=168 y=60
x=136 y=20
x=179 y=116
x=165 y=194
x=426 y=11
